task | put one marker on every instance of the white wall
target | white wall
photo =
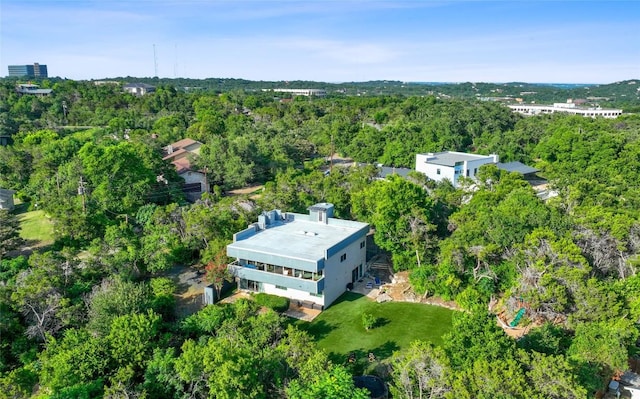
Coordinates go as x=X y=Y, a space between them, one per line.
x=338 y=274
x=292 y=294
x=635 y=392
x=474 y=166
x=431 y=170
x=195 y=177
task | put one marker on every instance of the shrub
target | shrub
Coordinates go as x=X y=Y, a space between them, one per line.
x=277 y=303
x=368 y=321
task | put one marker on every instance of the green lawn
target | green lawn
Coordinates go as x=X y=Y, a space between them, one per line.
x=339 y=331
x=37 y=229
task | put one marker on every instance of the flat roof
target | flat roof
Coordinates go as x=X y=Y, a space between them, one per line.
x=450 y=158
x=388 y=170
x=518 y=167
x=300 y=238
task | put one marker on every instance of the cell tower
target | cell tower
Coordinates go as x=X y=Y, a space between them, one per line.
x=155 y=62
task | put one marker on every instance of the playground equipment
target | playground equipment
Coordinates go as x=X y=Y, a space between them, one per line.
x=516 y=319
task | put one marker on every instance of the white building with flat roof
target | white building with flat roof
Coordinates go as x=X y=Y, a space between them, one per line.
x=567 y=108
x=309 y=258
x=301 y=92
x=452 y=165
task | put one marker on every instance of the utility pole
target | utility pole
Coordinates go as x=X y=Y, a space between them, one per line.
x=64 y=111
x=81 y=191
x=331 y=156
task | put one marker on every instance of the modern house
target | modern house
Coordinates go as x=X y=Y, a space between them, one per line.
x=139 y=89
x=526 y=171
x=33 y=90
x=28 y=71
x=181 y=154
x=6 y=199
x=308 y=258
x=452 y=165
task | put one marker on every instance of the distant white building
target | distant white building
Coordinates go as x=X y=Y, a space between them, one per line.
x=139 y=89
x=301 y=92
x=452 y=165
x=31 y=89
x=568 y=108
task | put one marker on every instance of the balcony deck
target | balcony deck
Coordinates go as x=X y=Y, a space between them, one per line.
x=299 y=283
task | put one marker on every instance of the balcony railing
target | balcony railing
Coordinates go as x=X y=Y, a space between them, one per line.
x=309 y=282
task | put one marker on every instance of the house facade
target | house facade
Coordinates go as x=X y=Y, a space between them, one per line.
x=181 y=154
x=32 y=90
x=452 y=165
x=308 y=258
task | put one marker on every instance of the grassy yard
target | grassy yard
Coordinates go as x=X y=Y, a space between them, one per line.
x=37 y=229
x=339 y=331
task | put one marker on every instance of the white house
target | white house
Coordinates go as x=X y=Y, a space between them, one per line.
x=452 y=165
x=32 y=89
x=309 y=258
x=181 y=154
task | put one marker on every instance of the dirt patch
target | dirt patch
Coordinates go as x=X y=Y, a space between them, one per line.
x=190 y=286
x=513 y=332
x=245 y=190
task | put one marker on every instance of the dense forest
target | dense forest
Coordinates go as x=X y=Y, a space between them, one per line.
x=93 y=314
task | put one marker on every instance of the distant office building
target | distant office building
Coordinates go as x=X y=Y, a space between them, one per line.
x=139 y=89
x=567 y=108
x=301 y=92
x=28 y=71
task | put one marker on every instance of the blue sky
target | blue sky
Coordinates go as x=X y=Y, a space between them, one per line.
x=329 y=40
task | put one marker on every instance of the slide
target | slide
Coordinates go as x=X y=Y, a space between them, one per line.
x=516 y=319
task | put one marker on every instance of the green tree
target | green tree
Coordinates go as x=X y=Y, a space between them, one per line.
x=131 y=338
x=419 y=371
x=604 y=345
x=114 y=298
x=43 y=293
x=334 y=383
x=9 y=232
x=77 y=357
x=368 y=321
x=120 y=176
x=217 y=272
x=400 y=212
x=552 y=377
